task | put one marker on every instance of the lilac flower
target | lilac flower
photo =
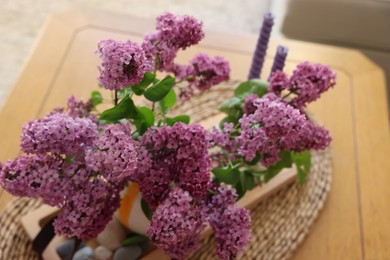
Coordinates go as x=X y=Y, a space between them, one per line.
x=309 y=82
x=173 y=33
x=173 y=155
x=179 y=31
x=88 y=209
x=183 y=72
x=249 y=106
x=224 y=198
x=312 y=137
x=252 y=138
x=34 y=176
x=209 y=71
x=279 y=120
x=273 y=127
x=226 y=142
x=278 y=82
x=176 y=225
x=158 y=52
x=232 y=231
x=79 y=108
x=123 y=64
x=203 y=73
x=114 y=154
x=58 y=133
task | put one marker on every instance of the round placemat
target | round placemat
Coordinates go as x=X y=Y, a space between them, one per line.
x=279 y=224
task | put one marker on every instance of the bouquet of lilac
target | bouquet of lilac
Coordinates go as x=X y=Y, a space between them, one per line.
x=79 y=159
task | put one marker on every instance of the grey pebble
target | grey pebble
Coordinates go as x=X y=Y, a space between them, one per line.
x=65 y=248
x=103 y=253
x=85 y=253
x=128 y=253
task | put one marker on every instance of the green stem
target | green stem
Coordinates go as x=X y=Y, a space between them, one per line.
x=116 y=97
x=291 y=92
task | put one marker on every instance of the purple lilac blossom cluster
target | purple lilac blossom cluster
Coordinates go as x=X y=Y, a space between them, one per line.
x=174 y=178
x=80 y=108
x=172 y=34
x=113 y=154
x=177 y=154
x=269 y=126
x=307 y=83
x=273 y=127
x=229 y=222
x=275 y=123
x=177 y=224
x=124 y=63
x=202 y=73
x=67 y=165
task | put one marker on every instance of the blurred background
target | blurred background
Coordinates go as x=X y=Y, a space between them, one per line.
x=21 y=21
x=361 y=24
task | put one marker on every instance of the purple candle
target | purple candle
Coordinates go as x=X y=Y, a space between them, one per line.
x=261 y=47
x=280 y=58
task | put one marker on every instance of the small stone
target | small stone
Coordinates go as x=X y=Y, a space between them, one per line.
x=65 y=249
x=113 y=235
x=102 y=253
x=128 y=253
x=85 y=253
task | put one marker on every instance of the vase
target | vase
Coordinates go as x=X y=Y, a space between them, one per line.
x=130 y=213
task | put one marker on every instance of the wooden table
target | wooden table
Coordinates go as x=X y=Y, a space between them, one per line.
x=355 y=222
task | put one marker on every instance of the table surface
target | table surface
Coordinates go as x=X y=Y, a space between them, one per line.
x=355 y=221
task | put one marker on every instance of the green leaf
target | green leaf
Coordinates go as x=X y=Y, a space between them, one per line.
x=160 y=89
x=96 y=98
x=228 y=175
x=145 y=82
x=146 y=210
x=125 y=109
x=182 y=118
x=232 y=107
x=147 y=115
x=285 y=162
x=272 y=172
x=135 y=240
x=303 y=164
x=253 y=86
x=168 y=101
x=286 y=159
x=141 y=126
x=248 y=180
x=125 y=92
x=241 y=190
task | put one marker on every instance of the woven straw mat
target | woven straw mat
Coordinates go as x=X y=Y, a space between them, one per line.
x=279 y=224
